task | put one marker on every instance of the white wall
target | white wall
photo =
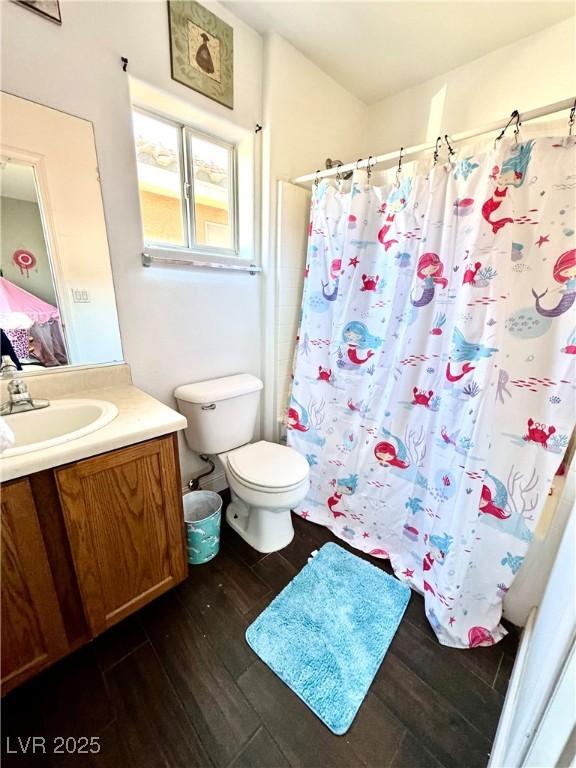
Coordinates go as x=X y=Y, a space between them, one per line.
x=308 y=117
x=177 y=325
x=21 y=227
x=532 y=72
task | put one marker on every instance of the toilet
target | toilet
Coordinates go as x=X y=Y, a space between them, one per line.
x=266 y=480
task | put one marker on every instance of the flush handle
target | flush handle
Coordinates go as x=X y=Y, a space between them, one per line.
x=210 y=407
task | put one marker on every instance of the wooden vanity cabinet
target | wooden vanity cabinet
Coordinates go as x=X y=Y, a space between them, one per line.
x=33 y=634
x=84 y=546
x=123 y=514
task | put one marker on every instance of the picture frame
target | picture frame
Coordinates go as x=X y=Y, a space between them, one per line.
x=49 y=9
x=201 y=51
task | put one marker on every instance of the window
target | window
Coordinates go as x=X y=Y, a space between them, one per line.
x=187 y=187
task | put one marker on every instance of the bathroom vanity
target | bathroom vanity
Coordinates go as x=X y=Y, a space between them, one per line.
x=91 y=528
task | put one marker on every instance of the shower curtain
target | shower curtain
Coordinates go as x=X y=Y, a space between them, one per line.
x=433 y=390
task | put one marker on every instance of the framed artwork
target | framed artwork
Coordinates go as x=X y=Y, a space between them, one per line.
x=201 y=51
x=50 y=9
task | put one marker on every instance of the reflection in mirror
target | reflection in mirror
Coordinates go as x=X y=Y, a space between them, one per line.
x=32 y=333
x=57 y=301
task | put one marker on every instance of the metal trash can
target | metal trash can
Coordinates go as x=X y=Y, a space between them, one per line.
x=202 y=513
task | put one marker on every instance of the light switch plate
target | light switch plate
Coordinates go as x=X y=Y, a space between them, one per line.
x=80 y=296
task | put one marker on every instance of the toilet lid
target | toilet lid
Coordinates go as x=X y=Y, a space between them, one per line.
x=268 y=465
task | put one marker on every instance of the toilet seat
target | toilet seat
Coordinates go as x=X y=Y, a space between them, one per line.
x=269 y=467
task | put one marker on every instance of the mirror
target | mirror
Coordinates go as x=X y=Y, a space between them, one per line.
x=57 y=302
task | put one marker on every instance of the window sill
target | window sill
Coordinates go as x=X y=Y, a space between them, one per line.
x=154 y=256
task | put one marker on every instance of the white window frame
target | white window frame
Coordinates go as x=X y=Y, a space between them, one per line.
x=189 y=135
x=241 y=256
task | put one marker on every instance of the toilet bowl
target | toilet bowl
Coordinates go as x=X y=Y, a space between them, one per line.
x=266 y=480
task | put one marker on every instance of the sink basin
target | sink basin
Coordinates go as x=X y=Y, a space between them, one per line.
x=60 y=422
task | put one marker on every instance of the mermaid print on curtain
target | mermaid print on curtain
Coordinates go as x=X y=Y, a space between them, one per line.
x=433 y=389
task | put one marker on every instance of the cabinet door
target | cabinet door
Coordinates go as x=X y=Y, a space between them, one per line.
x=33 y=634
x=123 y=513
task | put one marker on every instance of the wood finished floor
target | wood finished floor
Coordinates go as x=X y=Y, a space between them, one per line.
x=176 y=686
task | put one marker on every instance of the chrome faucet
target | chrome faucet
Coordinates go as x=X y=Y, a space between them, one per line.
x=19 y=398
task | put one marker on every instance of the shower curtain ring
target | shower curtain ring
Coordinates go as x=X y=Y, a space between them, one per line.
x=338 y=175
x=514 y=116
x=358 y=162
x=399 y=169
x=316 y=179
x=437 y=149
x=369 y=168
x=517 y=127
x=451 y=151
x=571 y=118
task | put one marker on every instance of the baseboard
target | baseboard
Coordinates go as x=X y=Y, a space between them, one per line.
x=214 y=482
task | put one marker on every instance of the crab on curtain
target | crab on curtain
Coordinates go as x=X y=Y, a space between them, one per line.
x=433 y=386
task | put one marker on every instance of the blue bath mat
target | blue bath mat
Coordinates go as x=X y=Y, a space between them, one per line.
x=326 y=633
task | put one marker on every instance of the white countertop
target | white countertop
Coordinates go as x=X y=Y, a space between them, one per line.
x=140 y=417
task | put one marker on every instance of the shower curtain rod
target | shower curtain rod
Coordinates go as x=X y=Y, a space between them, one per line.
x=532 y=114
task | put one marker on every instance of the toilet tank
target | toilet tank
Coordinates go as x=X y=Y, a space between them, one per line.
x=221 y=413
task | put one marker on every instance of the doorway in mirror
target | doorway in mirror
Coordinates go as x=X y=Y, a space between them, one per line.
x=30 y=318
